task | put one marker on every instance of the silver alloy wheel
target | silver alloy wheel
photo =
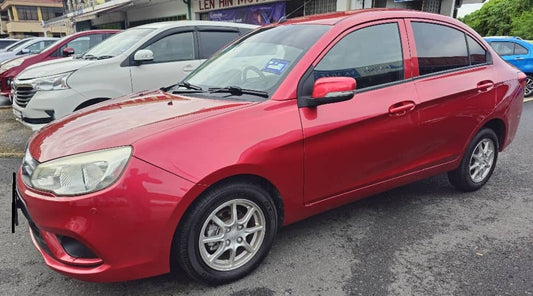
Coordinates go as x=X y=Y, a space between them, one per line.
x=482 y=160
x=529 y=87
x=232 y=234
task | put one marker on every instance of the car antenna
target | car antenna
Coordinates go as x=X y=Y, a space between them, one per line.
x=286 y=16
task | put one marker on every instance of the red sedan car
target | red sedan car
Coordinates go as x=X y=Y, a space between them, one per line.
x=67 y=46
x=289 y=121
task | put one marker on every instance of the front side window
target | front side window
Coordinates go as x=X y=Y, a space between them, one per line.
x=372 y=56
x=439 y=48
x=175 y=47
x=117 y=44
x=39 y=46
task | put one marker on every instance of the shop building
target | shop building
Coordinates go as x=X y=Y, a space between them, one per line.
x=24 y=18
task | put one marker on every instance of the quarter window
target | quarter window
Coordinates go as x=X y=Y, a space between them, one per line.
x=478 y=55
x=372 y=56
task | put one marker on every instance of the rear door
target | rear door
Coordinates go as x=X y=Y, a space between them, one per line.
x=372 y=137
x=456 y=86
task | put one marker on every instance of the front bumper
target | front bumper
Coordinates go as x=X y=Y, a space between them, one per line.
x=46 y=106
x=121 y=233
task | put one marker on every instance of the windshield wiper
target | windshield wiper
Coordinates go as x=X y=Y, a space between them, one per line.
x=183 y=84
x=103 y=57
x=237 y=91
x=89 y=57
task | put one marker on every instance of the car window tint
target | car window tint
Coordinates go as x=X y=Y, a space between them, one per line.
x=478 y=55
x=439 y=48
x=210 y=42
x=176 y=47
x=38 y=46
x=519 y=49
x=503 y=48
x=372 y=56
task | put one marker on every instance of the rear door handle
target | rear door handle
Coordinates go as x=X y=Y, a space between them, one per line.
x=518 y=59
x=485 y=85
x=401 y=108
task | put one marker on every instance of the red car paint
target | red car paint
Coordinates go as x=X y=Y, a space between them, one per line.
x=46 y=55
x=317 y=158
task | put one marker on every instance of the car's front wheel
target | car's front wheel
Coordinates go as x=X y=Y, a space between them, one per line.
x=478 y=163
x=528 y=91
x=226 y=233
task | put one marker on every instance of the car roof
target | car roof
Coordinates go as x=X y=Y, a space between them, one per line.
x=165 y=25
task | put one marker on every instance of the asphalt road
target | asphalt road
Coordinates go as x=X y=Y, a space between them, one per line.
x=422 y=239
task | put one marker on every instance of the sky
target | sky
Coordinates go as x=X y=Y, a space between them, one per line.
x=468 y=8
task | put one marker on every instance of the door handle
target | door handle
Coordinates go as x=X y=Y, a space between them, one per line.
x=485 y=85
x=188 y=68
x=518 y=59
x=401 y=108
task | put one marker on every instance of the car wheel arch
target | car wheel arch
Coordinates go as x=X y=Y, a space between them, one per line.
x=242 y=178
x=498 y=126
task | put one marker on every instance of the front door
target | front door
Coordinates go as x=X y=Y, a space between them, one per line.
x=373 y=136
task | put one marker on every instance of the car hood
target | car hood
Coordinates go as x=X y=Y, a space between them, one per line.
x=53 y=67
x=123 y=121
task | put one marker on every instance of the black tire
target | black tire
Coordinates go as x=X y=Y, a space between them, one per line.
x=465 y=177
x=193 y=256
x=528 y=91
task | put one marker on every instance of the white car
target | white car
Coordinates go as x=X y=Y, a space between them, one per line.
x=32 y=46
x=140 y=58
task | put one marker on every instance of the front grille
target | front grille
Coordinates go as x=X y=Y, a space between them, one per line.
x=22 y=93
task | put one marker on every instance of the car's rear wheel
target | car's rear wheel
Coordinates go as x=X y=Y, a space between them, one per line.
x=226 y=233
x=528 y=91
x=478 y=163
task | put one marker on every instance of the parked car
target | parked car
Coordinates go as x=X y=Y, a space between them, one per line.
x=32 y=46
x=289 y=121
x=67 y=46
x=519 y=53
x=16 y=44
x=5 y=42
x=140 y=58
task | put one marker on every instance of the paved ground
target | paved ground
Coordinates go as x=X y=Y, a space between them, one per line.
x=422 y=239
x=13 y=135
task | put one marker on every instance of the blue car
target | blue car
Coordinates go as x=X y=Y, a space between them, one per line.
x=517 y=52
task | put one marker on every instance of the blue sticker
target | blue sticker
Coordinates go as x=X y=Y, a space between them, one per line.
x=276 y=66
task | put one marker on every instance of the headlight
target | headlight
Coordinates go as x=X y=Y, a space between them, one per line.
x=11 y=64
x=54 y=82
x=81 y=173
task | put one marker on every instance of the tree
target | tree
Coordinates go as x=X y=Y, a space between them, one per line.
x=503 y=17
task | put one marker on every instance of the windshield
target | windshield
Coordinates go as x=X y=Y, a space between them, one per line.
x=259 y=63
x=117 y=43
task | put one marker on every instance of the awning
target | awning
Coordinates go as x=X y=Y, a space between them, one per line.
x=92 y=13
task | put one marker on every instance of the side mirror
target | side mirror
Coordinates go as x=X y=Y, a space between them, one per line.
x=328 y=90
x=67 y=51
x=143 y=55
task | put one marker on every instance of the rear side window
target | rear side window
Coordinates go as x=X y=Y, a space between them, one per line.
x=442 y=48
x=371 y=55
x=519 y=49
x=211 y=41
x=439 y=48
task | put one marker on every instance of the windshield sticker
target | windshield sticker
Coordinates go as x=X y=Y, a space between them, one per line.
x=276 y=66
